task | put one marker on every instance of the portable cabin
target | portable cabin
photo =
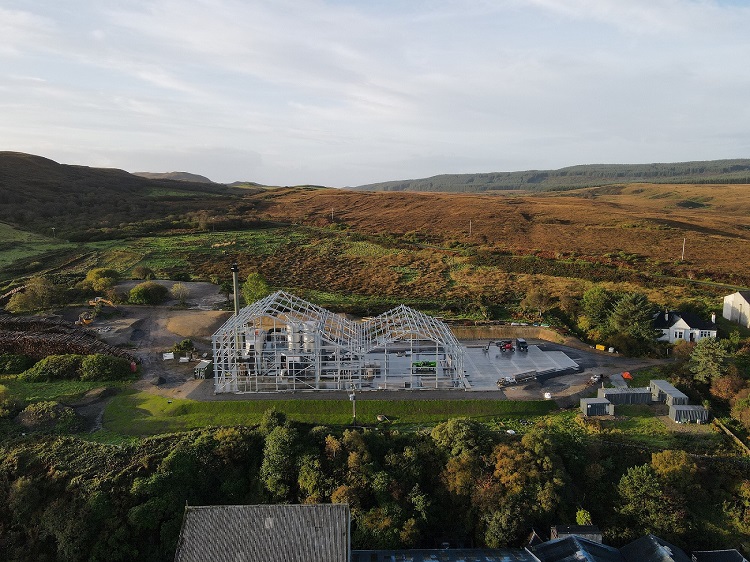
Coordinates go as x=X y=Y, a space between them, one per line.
x=688 y=413
x=204 y=369
x=597 y=407
x=662 y=391
x=626 y=395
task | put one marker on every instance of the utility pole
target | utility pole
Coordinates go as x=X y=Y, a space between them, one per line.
x=353 y=398
x=469 y=228
x=683 y=249
x=236 y=287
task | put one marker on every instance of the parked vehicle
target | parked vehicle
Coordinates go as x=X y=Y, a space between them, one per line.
x=505 y=345
x=521 y=344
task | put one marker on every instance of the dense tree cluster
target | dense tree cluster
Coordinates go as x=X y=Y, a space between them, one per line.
x=68 y=499
x=623 y=321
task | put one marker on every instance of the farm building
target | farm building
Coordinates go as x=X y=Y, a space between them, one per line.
x=664 y=392
x=283 y=343
x=597 y=407
x=688 y=413
x=737 y=308
x=626 y=395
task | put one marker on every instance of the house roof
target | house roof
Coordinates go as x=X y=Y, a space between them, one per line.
x=576 y=549
x=652 y=549
x=272 y=533
x=732 y=555
x=445 y=555
x=577 y=529
x=664 y=321
x=744 y=294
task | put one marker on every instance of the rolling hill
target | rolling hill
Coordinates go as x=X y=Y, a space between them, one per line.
x=81 y=202
x=179 y=176
x=574 y=177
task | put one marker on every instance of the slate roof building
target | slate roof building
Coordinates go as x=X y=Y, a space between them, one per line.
x=684 y=326
x=590 y=532
x=445 y=555
x=737 y=308
x=651 y=548
x=575 y=549
x=271 y=533
x=732 y=555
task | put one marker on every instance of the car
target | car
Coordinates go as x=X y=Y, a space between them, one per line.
x=521 y=344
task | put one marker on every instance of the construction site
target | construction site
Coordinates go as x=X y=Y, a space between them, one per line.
x=284 y=343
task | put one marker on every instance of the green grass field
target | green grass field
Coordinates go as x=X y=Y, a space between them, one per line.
x=60 y=391
x=18 y=244
x=139 y=413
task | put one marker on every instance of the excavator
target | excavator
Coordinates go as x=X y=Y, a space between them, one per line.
x=101 y=301
x=87 y=317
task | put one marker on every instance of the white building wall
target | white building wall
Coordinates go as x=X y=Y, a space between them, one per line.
x=737 y=309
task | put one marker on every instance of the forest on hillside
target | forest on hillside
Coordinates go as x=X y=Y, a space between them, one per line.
x=573 y=177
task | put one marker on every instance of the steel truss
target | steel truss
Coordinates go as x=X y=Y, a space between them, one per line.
x=283 y=343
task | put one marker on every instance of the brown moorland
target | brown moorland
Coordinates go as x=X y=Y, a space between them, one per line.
x=621 y=225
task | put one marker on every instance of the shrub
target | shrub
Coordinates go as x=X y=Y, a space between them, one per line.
x=101 y=367
x=54 y=367
x=143 y=272
x=148 y=293
x=184 y=345
x=100 y=279
x=49 y=415
x=12 y=363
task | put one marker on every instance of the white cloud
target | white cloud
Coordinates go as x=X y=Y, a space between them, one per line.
x=314 y=91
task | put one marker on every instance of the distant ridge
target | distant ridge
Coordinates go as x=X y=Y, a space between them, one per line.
x=179 y=176
x=574 y=177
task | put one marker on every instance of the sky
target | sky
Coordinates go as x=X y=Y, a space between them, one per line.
x=349 y=92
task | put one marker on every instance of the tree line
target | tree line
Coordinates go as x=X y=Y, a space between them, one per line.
x=63 y=498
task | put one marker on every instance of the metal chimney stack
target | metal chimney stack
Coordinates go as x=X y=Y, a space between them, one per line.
x=236 y=287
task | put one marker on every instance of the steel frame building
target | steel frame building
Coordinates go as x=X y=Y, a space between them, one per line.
x=283 y=343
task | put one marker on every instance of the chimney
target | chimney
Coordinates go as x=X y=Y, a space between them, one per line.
x=666 y=315
x=713 y=318
x=236 y=287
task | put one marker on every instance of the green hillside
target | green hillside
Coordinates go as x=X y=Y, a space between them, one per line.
x=712 y=171
x=83 y=203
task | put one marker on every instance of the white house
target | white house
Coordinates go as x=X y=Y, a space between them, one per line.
x=737 y=308
x=678 y=326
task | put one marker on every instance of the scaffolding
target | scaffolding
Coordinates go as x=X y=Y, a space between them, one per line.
x=284 y=343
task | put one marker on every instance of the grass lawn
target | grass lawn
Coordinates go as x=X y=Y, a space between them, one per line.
x=60 y=391
x=140 y=413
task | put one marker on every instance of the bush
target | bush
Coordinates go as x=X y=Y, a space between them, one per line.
x=101 y=367
x=184 y=345
x=54 y=367
x=97 y=367
x=148 y=293
x=143 y=272
x=49 y=415
x=12 y=363
x=100 y=279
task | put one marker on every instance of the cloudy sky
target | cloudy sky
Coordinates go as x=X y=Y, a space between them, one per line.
x=347 y=92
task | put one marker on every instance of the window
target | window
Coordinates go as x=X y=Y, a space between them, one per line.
x=706 y=334
x=678 y=335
